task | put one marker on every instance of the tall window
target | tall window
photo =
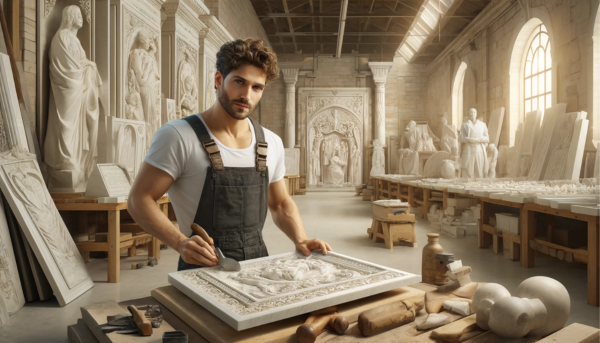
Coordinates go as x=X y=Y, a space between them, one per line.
x=538 y=71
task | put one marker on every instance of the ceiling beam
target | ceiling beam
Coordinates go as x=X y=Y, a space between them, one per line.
x=274 y=23
x=371 y=34
x=366 y=25
x=439 y=27
x=289 y=20
x=337 y=15
x=342 y=27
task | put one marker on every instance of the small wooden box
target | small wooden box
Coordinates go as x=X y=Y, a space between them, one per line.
x=385 y=213
x=402 y=232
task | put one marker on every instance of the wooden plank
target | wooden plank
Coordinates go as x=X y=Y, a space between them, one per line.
x=527 y=234
x=561 y=213
x=466 y=325
x=593 y=270
x=492 y=230
x=582 y=256
x=484 y=239
x=215 y=330
x=490 y=337
x=574 y=333
x=497 y=244
x=500 y=202
x=114 y=254
x=92 y=246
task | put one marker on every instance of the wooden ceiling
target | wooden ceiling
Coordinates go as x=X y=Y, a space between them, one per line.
x=375 y=27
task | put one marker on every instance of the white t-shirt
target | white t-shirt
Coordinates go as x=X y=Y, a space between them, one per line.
x=177 y=150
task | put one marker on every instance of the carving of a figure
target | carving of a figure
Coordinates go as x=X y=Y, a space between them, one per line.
x=356 y=158
x=426 y=143
x=408 y=156
x=492 y=153
x=71 y=136
x=186 y=85
x=474 y=137
x=411 y=137
x=335 y=171
x=378 y=162
x=144 y=76
x=449 y=142
x=133 y=107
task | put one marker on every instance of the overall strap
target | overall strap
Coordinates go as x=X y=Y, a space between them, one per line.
x=261 y=146
x=208 y=143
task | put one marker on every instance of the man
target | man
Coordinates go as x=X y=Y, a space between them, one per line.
x=474 y=137
x=222 y=170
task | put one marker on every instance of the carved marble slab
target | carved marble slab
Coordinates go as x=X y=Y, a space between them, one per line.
x=108 y=180
x=566 y=141
x=11 y=292
x=276 y=287
x=495 y=125
x=539 y=162
x=22 y=184
x=531 y=128
x=123 y=143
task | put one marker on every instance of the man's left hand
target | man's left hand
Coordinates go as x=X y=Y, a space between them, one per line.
x=308 y=245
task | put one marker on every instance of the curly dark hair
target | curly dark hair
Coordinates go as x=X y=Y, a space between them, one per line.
x=232 y=55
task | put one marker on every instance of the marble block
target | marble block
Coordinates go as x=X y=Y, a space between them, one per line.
x=123 y=142
x=575 y=157
x=531 y=128
x=540 y=158
x=567 y=131
x=292 y=161
x=276 y=287
x=108 y=180
x=495 y=125
x=589 y=210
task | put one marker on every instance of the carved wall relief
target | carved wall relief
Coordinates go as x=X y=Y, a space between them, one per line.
x=130 y=148
x=10 y=284
x=335 y=149
x=187 y=89
x=142 y=45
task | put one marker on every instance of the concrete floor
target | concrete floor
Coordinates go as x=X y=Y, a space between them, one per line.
x=338 y=218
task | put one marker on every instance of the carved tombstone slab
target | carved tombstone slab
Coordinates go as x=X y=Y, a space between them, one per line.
x=495 y=125
x=23 y=185
x=123 y=143
x=540 y=158
x=276 y=287
x=531 y=128
x=292 y=161
x=565 y=141
x=108 y=180
x=11 y=293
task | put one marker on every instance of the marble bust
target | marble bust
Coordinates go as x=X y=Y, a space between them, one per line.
x=474 y=137
x=70 y=148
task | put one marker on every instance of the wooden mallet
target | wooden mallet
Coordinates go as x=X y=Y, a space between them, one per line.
x=314 y=325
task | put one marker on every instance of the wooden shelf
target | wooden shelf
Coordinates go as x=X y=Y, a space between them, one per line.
x=570 y=254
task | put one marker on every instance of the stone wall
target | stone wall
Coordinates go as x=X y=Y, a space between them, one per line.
x=238 y=17
x=27 y=32
x=490 y=46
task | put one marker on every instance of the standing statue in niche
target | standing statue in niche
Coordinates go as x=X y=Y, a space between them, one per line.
x=186 y=85
x=144 y=78
x=378 y=162
x=474 y=137
x=70 y=149
x=335 y=171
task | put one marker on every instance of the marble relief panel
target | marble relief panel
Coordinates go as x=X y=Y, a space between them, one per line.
x=10 y=284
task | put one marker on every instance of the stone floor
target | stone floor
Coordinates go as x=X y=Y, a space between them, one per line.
x=340 y=219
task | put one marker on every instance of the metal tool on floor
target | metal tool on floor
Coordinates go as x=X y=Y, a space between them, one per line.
x=175 y=337
x=225 y=262
x=141 y=321
x=139 y=265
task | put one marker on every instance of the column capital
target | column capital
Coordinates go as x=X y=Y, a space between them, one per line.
x=290 y=70
x=380 y=71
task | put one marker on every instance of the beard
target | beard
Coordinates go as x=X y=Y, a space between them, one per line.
x=229 y=106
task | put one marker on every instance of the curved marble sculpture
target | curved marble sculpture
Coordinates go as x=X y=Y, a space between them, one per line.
x=447 y=169
x=433 y=166
x=449 y=141
x=70 y=148
x=541 y=306
x=378 y=162
x=474 y=137
x=144 y=78
x=492 y=153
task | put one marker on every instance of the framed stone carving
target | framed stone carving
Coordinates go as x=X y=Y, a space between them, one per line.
x=273 y=288
x=566 y=146
x=531 y=127
x=10 y=283
x=540 y=158
x=25 y=190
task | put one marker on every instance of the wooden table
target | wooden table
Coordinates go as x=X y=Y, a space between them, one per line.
x=489 y=234
x=114 y=244
x=528 y=231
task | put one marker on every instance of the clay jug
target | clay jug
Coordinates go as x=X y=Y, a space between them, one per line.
x=429 y=262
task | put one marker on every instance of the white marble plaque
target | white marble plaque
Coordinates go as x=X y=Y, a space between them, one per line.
x=566 y=141
x=292 y=161
x=273 y=288
x=539 y=161
x=495 y=125
x=108 y=180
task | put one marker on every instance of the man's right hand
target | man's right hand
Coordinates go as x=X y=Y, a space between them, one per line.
x=196 y=250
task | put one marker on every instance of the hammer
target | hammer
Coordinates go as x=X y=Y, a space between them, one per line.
x=314 y=325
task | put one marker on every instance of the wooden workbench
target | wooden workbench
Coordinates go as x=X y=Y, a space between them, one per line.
x=115 y=242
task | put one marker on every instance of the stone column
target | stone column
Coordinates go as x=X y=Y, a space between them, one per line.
x=290 y=76
x=380 y=71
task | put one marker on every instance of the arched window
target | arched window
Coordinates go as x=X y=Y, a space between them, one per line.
x=538 y=71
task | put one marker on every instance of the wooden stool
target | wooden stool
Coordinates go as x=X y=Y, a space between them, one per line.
x=393 y=231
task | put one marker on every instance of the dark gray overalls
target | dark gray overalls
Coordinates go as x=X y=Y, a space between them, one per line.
x=233 y=205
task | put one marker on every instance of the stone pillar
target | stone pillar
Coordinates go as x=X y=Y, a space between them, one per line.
x=380 y=71
x=290 y=76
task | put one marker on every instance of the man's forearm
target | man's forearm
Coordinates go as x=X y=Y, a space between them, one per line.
x=147 y=214
x=287 y=218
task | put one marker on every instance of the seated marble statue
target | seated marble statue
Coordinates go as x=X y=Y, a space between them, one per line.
x=474 y=137
x=71 y=136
